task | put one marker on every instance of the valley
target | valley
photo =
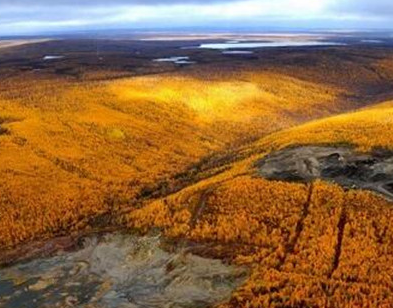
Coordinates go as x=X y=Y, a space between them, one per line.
x=276 y=162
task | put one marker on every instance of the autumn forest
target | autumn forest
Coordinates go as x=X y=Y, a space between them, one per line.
x=120 y=143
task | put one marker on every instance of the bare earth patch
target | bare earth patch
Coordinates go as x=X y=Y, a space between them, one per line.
x=338 y=164
x=119 y=271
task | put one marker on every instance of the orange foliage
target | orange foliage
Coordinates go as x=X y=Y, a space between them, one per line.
x=113 y=141
x=366 y=129
x=312 y=245
x=76 y=154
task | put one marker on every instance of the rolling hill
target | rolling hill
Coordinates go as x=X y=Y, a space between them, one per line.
x=280 y=163
x=309 y=243
x=75 y=151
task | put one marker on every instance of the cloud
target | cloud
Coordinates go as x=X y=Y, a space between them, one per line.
x=376 y=8
x=149 y=12
x=81 y=3
x=29 y=15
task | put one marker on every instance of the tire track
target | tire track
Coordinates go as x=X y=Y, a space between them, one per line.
x=290 y=246
x=200 y=207
x=340 y=236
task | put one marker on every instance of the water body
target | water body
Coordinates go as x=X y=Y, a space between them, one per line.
x=247 y=45
x=119 y=271
x=176 y=60
x=52 y=57
x=185 y=62
x=237 y=52
x=372 y=41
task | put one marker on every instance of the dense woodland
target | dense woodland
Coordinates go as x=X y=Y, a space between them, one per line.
x=312 y=245
x=98 y=147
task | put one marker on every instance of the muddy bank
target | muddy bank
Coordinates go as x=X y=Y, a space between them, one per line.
x=341 y=165
x=119 y=270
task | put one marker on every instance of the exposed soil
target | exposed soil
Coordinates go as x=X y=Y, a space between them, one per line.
x=119 y=271
x=341 y=165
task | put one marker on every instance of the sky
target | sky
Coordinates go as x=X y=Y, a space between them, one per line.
x=46 y=16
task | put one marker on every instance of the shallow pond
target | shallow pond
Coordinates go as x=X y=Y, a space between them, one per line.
x=176 y=60
x=372 y=41
x=237 y=52
x=241 y=45
x=46 y=58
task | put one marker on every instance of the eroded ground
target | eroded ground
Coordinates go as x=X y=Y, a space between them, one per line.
x=119 y=271
x=341 y=165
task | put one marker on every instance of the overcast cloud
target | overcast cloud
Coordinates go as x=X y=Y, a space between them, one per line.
x=30 y=16
x=377 y=8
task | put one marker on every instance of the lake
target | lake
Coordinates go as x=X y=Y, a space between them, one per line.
x=266 y=44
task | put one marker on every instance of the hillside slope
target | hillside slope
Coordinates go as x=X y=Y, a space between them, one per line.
x=192 y=154
x=73 y=153
x=309 y=243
